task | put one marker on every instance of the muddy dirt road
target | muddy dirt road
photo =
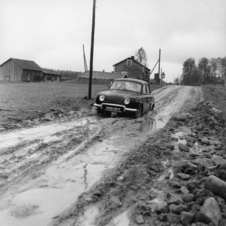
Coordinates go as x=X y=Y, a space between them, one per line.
x=44 y=169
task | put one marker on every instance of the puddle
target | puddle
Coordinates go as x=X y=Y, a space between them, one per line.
x=40 y=132
x=121 y=220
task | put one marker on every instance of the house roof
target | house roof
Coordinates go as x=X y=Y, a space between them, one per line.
x=101 y=75
x=25 y=64
x=50 y=72
x=132 y=58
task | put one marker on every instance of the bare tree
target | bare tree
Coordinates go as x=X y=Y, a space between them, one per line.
x=141 y=56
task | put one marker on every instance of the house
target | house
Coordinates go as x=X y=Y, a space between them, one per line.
x=132 y=69
x=20 y=70
x=50 y=75
x=99 y=77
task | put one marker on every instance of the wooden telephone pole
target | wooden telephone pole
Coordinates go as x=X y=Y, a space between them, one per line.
x=91 y=52
x=159 y=64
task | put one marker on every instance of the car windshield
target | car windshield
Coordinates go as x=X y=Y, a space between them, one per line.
x=126 y=85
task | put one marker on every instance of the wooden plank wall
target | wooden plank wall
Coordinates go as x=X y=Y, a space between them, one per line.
x=10 y=71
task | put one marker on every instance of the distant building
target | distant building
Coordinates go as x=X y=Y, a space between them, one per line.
x=99 y=77
x=20 y=70
x=132 y=68
x=50 y=75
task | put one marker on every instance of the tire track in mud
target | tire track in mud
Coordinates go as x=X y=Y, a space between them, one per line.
x=68 y=173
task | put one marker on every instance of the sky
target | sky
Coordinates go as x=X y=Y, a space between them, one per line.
x=52 y=32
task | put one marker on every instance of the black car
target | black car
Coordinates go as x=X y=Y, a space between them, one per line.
x=126 y=96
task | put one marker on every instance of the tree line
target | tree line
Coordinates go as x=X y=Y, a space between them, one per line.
x=208 y=71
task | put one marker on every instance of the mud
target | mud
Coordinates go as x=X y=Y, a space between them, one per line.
x=46 y=169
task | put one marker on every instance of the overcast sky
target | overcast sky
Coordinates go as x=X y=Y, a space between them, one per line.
x=52 y=32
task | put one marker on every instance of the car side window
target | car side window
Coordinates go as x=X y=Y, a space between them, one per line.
x=144 y=89
x=148 y=90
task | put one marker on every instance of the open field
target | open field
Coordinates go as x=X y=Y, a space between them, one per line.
x=41 y=97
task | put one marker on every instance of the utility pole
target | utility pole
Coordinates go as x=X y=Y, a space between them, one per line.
x=85 y=63
x=159 y=64
x=91 y=52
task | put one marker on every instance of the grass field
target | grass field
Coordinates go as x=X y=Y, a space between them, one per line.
x=41 y=96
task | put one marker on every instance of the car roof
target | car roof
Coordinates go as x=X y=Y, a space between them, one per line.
x=131 y=80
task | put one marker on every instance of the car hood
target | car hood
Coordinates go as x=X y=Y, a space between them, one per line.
x=117 y=96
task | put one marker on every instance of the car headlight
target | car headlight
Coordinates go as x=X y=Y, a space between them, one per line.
x=102 y=98
x=127 y=101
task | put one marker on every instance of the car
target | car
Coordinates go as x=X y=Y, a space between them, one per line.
x=126 y=95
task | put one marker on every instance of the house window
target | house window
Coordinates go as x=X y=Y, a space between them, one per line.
x=124 y=72
x=129 y=62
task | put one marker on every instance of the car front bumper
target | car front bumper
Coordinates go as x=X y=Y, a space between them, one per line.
x=124 y=109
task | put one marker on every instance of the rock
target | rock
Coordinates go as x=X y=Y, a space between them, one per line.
x=139 y=219
x=210 y=212
x=184 y=176
x=162 y=207
x=184 y=190
x=190 y=165
x=205 y=141
x=215 y=110
x=47 y=119
x=163 y=217
x=174 y=184
x=115 y=202
x=186 y=217
x=204 y=162
x=187 y=197
x=218 y=160
x=216 y=185
x=178 y=208
x=222 y=172
x=175 y=200
x=183 y=147
x=182 y=117
x=2 y=129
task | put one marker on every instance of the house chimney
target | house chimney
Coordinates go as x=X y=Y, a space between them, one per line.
x=132 y=57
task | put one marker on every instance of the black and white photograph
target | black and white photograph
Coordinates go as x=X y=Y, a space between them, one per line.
x=112 y=112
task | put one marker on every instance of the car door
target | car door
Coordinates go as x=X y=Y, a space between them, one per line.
x=146 y=98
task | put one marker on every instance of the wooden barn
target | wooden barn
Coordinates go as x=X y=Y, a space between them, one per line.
x=50 y=75
x=131 y=68
x=17 y=70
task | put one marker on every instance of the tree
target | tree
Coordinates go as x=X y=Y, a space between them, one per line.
x=192 y=75
x=204 y=66
x=141 y=56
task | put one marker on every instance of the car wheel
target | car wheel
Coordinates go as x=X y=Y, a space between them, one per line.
x=138 y=113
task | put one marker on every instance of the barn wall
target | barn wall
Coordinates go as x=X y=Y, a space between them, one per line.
x=134 y=71
x=10 y=71
x=31 y=76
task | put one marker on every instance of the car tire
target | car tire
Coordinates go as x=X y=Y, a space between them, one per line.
x=138 y=113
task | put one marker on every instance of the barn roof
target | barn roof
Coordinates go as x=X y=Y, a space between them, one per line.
x=50 y=72
x=101 y=75
x=132 y=58
x=25 y=64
